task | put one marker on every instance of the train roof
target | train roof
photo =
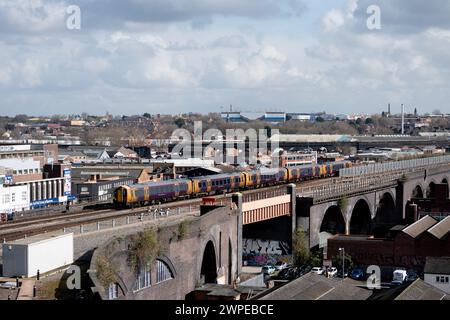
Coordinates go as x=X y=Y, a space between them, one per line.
x=159 y=183
x=217 y=176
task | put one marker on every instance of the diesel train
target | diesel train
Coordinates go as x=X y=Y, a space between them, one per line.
x=176 y=189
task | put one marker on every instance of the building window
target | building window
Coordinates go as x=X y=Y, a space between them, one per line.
x=13 y=197
x=6 y=198
x=162 y=272
x=24 y=196
x=113 y=291
x=143 y=279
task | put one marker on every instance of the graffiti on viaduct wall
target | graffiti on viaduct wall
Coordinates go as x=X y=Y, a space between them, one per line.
x=258 y=252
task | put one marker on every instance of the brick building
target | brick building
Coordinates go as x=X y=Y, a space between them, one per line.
x=406 y=247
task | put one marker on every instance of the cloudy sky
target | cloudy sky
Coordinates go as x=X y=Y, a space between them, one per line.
x=171 y=56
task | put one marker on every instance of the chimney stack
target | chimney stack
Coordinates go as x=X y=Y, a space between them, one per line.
x=403 y=119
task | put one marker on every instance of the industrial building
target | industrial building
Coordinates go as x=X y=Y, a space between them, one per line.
x=101 y=189
x=41 y=253
x=408 y=246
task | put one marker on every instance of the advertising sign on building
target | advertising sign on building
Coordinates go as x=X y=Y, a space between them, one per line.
x=67 y=182
x=8 y=179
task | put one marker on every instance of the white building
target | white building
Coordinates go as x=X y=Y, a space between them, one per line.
x=22 y=166
x=45 y=252
x=437 y=273
x=13 y=198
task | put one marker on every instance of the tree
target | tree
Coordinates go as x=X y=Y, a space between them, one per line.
x=369 y=121
x=147 y=115
x=300 y=247
x=180 y=122
x=437 y=111
x=319 y=119
x=348 y=262
x=316 y=258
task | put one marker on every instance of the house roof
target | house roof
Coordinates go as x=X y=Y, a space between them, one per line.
x=417 y=228
x=127 y=152
x=437 y=265
x=441 y=229
x=317 y=287
x=420 y=290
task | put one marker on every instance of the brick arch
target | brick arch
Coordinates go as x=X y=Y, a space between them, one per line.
x=204 y=246
x=333 y=220
x=361 y=216
x=429 y=189
x=415 y=192
x=353 y=203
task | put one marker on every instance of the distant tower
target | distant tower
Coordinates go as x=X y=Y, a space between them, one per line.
x=389 y=109
x=403 y=119
x=415 y=112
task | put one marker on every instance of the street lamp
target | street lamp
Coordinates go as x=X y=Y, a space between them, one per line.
x=343 y=261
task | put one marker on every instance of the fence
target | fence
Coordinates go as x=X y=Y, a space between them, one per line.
x=406 y=166
x=347 y=186
x=151 y=214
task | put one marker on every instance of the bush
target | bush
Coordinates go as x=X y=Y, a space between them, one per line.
x=144 y=248
x=300 y=247
x=106 y=273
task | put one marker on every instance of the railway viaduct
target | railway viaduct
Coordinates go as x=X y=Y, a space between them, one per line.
x=367 y=205
x=211 y=248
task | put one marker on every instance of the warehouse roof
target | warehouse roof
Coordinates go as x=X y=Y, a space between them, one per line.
x=317 y=287
x=420 y=290
x=441 y=229
x=417 y=228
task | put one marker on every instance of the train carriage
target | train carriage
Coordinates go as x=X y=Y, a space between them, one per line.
x=153 y=192
x=273 y=176
x=252 y=179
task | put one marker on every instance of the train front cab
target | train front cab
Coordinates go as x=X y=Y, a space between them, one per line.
x=121 y=196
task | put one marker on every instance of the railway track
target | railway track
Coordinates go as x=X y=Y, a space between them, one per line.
x=37 y=225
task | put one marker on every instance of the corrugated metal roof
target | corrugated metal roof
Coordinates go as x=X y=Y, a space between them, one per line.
x=441 y=229
x=420 y=290
x=420 y=226
x=317 y=287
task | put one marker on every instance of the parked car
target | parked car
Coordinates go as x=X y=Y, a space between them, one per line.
x=332 y=272
x=304 y=270
x=280 y=265
x=399 y=277
x=412 y=276
x=317 y=270
x=358 y=274
x=284 y=274
x=268 y=269
x=341 y=274
x=289 y=273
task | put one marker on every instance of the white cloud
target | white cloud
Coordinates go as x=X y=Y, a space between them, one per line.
x=333 y=20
